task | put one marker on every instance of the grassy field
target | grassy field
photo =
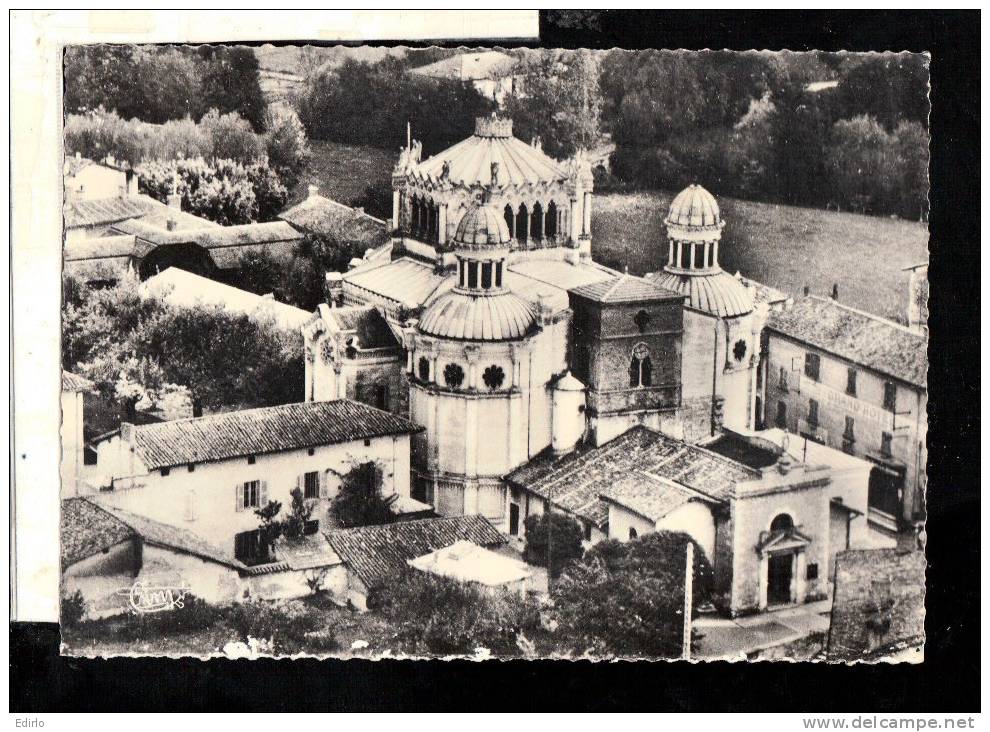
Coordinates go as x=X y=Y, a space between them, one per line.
x=343 y=171
x=783 y=246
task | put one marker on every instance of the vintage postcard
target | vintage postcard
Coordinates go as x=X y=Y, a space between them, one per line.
x=493 y=353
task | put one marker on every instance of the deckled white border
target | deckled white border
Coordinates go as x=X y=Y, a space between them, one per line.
x=37 y=39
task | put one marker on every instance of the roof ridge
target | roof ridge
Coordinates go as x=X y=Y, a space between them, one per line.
x=872 y=316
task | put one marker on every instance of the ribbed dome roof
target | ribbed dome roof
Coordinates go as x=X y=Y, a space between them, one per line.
x=694 y=207
x=482 y=226
x=498 y=317
x=718 y=293
x=470 y=160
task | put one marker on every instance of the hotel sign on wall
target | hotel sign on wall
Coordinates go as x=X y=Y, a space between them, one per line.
x=836 y=400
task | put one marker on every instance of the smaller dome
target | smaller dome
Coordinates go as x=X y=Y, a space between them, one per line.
x=482 y=227
x=460 y=316
x=717 y=293
x=694 y=207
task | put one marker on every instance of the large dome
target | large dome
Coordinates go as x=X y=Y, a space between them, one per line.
x=694 y=207
x=491 y=157
x=717 y=293
x=482 y=227
x=502 y=316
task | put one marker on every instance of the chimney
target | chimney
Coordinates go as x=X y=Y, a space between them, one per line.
x=335 y=289
x=132 y=183
x=174 y=200
x=359 y=209
x=314 y=191
x=835 y=291
x=126 y=432
x=78 y=155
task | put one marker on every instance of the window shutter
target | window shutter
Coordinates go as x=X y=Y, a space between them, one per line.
x=263 y=494
x=324 y=479
x=239 y=497
x=301 y=483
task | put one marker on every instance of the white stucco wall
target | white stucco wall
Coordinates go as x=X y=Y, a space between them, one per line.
x=694 y=519
x=210 y=490
x=102 y=577
x=97 y=181
x=72 y=442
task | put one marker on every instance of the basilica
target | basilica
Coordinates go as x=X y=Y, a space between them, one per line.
x=485 y=320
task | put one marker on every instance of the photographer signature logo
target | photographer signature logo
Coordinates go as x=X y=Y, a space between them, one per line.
x=149 y=598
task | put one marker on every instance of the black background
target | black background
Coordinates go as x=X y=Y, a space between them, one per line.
x=41 y=680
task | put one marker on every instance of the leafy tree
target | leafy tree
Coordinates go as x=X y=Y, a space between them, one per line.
x=376 y=199
x=359 y=502
x=890 y=87
x=269 y=525
x=232 y=137
x=626 y=599
x=223 y=191
x=370 y=104
x=231 y=82
x=912 y=169
x=861 y=165
x=300 y=511
x=440 y=616
x=285 y=144
x=553 y=540
x=558 y=101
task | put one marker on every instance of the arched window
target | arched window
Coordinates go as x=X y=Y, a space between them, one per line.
x=498 y=274
x=424 y=368
x=536 y=229
x=632 y=533
x=510 y=220
x=782 y=522
x=522 y=224
x=640 y=367
x=552 y=219
x=486 y=275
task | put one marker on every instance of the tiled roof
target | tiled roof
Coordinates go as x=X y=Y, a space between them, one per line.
x=100 y=247
x=321 y=215
x=861 y=338
x=173 y=537
x=763 y=293
x=264 y=430
x=561 y=274
x=179 y=287
x=97 y=211
x=650 y=497
x=626 y=288
x=879 y=603
x=374 y=553
x=577 y=480
x=502 y=316
x=71 y=382
x=213 y=237
x=406 y=281
x=306 y=552
x=370 y=327
x=718 y=293
x=85 y=530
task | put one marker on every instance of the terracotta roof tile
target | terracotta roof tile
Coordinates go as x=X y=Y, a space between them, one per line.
x=576 y=481
x=264 y=430
x=321 y=215
x=374 y=553
x=85 y=530
x=861 y=338
x=370 y=327
x=72 y=382
x=626 y=288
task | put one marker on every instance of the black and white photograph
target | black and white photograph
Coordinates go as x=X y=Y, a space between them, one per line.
x=494 y=352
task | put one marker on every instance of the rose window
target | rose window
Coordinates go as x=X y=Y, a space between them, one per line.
x=453 y=375
x=493 y=377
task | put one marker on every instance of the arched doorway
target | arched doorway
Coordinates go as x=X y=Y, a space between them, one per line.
x=189 y=257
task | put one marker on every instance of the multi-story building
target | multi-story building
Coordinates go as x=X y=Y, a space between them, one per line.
x=858 y=382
